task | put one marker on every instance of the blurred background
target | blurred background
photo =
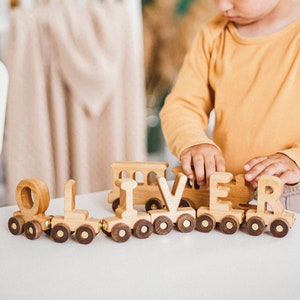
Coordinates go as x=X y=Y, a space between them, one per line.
x=87 y=80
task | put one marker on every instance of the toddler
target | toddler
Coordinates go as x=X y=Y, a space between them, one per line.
x=244 y=64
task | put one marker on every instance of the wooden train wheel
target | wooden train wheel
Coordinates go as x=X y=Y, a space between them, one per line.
x=229 y=225
x=60 y=233
x=279 y=228
x=33 y=230
x=255 y=226
x=162 y=225
x=205 y=223
x=153 y=203
x=186 y=223
x=85 y=234
x=16 y=225
x=184 y=203
x=142 y=229
x=120 y=232
x=115 y=204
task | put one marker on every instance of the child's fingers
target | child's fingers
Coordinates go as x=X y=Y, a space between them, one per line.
x=253 y=162
x=220 y=163
x=186 y=163
x=255 y=167
x=199 y=168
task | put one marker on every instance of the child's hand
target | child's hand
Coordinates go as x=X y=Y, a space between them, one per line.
x=201 y=161
x=277 y=164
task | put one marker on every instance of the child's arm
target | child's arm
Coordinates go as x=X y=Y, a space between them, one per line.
x=200 y=161
x=277 y=164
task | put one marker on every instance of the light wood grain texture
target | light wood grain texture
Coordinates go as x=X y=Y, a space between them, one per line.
x=74 y=220
x=126 y=217
x=33 y=199
x=220 y=210
x=240 y=192
x=183 y=217
x=145 y=174
x=269 y=210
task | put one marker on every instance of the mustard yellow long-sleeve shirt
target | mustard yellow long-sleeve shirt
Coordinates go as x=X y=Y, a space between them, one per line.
x=252 y=83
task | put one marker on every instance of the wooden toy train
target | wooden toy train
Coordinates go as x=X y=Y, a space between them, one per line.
x=226 y=204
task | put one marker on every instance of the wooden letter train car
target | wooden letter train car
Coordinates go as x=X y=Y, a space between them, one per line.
x=32 y=220
x=148 y=193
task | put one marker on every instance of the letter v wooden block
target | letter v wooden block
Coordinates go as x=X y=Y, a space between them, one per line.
x=183 y=217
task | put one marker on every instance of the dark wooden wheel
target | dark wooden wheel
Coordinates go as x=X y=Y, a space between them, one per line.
x=255 y=226
x=120 y=232
x=162 y=225
x=279 y=228
x=33 y=230
x=184 y=203
x=115 y=204
x=60 y=233
x=186 y=223
x=85 y=234
x=16 y=225
x=142 y=229
x=153 y=203
x=205 y=223
x=229 y=225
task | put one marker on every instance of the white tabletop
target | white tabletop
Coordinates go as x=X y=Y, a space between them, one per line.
x=175 y=266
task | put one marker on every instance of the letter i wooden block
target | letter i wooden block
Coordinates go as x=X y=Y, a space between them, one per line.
x=126 y=217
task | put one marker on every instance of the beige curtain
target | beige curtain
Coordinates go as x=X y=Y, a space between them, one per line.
x=76 y=96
